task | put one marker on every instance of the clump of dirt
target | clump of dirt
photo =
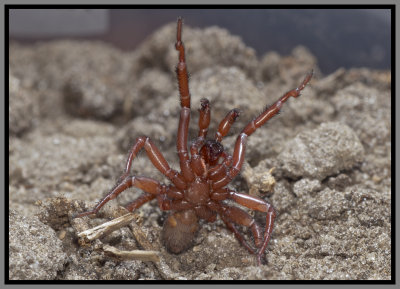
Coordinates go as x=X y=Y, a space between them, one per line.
x=324 y=163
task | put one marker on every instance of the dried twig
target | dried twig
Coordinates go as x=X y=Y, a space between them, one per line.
x=106 y=228
x=115 y=224
x=148 y=254
x=133 y=255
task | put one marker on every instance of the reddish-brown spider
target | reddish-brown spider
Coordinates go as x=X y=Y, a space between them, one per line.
x=199 y=190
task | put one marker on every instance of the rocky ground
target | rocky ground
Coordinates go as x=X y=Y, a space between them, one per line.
x=76 y=107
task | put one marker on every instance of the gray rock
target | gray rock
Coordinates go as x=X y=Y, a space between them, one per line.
x=54 y=160
x=35 y=251
x=205 y=48
x=92 y=95
x=367 y=111
x=322 y=152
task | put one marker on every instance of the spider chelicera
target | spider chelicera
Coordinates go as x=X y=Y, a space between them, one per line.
x=199 y=190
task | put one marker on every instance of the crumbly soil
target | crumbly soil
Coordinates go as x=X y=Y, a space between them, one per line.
x=324 y=162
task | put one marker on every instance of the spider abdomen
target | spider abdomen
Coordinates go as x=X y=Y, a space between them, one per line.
x=179 y=230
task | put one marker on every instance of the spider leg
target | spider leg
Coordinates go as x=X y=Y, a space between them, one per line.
x=174 y=193
x=220 y=170
x=241 y=141
x=226 y=124
x=181 y=70
x=197 y=164
x=231 y=215
x=149 y=186
x=140 y=201
x=146 y=184
x=253 y=203
x=157 y=160
x=203 y=212
x=152 y=189
x=181 y=144
x=231 y=226
x=258 y=204
x=272 y=110
x=169 y=198
x=167 y=204
x=204 y=119
x=220 y=194
x=183 y=82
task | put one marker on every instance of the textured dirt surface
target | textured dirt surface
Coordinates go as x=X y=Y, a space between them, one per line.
x=324 y=163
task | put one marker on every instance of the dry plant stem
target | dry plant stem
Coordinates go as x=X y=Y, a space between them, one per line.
x=141 y=255
x=148 y=254
x=107 y=228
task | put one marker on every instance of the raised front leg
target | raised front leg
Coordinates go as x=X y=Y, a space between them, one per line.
x=181 y=69
x=197 y=164
x=272 y=110
x=241 y=141
x=184 y=119
x=226 y=123
x=204 y=119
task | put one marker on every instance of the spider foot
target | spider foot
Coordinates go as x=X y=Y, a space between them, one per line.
x=259 y=254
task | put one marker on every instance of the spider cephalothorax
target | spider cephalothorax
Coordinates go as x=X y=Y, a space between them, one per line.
x=199 y=190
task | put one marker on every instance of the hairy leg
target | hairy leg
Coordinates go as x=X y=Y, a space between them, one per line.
x=184 y=119
x=251 y=127
x=157 y=159
x=231 y=226
x=238 y=216
x=226 y=124
x=197 y=164
x=151 y=187
x=257 y=204
x=204 y=119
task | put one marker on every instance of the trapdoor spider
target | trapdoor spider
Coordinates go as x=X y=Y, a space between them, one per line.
x=199 y=190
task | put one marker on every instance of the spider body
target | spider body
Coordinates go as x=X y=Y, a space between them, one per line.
x=199 y=190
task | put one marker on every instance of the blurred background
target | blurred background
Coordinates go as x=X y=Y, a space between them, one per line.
x=337 y=37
